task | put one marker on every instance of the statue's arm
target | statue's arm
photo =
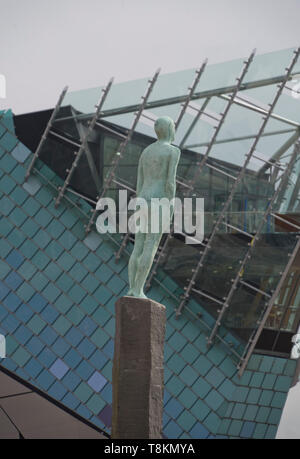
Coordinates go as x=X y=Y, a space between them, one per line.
x=140 y=177
x=172 y=169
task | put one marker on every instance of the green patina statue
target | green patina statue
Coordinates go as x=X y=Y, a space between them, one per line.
x=156 y=179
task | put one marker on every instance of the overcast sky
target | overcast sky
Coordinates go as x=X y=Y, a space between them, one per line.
x=47 y=44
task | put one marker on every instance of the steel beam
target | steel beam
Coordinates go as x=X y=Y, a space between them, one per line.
x=89 y=156
x=83 y=146
x=180 y=99
x=191 y=183
x=218 y=128
x=238 y=139
x=262 y=111
x=46 y=132
x=194 y=122
x=278 y=154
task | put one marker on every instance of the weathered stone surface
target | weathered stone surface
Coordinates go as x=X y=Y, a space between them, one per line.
x=138 y=369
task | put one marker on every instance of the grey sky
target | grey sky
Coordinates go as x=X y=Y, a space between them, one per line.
x=46 y=44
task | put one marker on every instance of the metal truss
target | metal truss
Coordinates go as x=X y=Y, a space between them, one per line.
x=252 y=245
x=82 y=134
x=84 y=145
x=46 y=132
x=230 y=102
x=192 y=90
x=222 y=215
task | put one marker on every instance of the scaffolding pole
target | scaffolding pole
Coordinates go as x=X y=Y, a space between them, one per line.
x=84 y=143
x=238 y=139
x=230 y=102
x=46 y=132
x=237 y=182
x=192 y=89
x=262 y=111
x=123 y=145
x=278 y=154
x=194 y=122
x=89 y=156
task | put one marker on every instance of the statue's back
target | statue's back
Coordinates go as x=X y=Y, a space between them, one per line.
x=154 y=165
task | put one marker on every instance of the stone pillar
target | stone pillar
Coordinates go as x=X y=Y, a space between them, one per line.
x=138 y=369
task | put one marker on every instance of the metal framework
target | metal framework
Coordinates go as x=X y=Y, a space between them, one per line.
x=46 y=132
x=181 y=99
x=192 y=90
x=265 y=314
x=279 y=172
x=251 y=247
x=218 y=128
x=84 y=145
x=82 y=134
x=237 y=181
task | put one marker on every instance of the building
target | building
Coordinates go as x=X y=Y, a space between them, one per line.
x=232 y=300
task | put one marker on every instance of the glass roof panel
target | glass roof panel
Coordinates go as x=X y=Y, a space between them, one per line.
x=242 y=122
x=177 y=83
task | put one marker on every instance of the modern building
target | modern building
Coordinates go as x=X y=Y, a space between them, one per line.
x=232 y=298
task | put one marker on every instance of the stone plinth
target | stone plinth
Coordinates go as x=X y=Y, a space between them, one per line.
x=138 y=369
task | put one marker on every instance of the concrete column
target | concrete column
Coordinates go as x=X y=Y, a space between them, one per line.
x=138 y=369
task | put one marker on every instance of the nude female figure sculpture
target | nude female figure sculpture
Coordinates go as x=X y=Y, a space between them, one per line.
x=156 y=179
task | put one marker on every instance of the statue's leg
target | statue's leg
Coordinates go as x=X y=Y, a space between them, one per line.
x=132 y=265
x=145 y=261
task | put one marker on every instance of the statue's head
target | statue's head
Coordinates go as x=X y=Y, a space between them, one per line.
x=165 y=128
